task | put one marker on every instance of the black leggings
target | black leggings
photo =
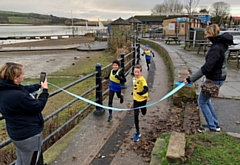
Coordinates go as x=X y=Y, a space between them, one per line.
x=110 y=98
x=148 y=61
x=136 y=112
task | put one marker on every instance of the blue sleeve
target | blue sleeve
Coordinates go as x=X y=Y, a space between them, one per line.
x=152 y=53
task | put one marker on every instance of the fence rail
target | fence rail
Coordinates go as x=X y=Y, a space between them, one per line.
x=127 y=63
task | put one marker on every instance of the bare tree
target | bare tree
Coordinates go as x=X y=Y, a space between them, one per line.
x=219 y=11
x=168 y=6
x=190 y=5
x=158 y=8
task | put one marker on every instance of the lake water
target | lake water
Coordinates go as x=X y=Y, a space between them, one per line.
x=37 y=31
x=29 y=30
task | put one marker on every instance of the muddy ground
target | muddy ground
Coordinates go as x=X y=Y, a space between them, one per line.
x=47 y=61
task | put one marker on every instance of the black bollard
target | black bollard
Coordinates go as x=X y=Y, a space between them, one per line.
x=138 y=51
x=123 y=86
x=133 y=60
x=99 y=110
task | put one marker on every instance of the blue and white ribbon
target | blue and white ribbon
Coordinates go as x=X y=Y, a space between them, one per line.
x=180 y=85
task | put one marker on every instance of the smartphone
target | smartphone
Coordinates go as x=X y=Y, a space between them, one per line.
x=42 y=77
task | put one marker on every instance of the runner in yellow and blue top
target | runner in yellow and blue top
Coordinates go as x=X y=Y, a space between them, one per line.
x=140 y=97
x=148 y=54
x=116 y=75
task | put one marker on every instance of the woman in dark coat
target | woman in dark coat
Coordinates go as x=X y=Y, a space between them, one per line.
x=22 y=113
x=215 y=72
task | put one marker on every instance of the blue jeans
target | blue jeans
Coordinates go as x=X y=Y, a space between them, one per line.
x=208 y=109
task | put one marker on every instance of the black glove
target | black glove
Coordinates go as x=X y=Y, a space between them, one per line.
x=117 y=76
x=139 y=93
x=188 y=80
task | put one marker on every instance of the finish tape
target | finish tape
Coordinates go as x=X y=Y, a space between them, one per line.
x=180 y=85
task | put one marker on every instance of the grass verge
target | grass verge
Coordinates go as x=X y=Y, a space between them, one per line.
x=207 y=149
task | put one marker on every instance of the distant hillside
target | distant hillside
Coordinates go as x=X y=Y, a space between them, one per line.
x=9 y=17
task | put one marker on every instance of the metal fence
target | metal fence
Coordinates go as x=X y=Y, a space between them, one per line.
x=127 y=65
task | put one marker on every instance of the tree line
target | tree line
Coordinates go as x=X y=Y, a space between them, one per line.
x=7 y=17
x=219 y=11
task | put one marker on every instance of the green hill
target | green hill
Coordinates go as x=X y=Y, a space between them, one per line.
x=10 y=17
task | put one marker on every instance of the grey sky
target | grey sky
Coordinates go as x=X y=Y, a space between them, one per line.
x=96 y=9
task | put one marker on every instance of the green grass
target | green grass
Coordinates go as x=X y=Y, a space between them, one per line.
x=214 y=149
x=208 y=149
x=26 y=20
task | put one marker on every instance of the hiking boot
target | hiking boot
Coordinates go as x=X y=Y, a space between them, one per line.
x=218 y=129
x=121 y=99
x=201 y=129
x=136 y=136
x=109 y=118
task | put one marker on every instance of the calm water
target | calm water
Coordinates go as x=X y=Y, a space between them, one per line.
x=29 y=30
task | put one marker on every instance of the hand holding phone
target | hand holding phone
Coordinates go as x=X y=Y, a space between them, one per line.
x=42 y=77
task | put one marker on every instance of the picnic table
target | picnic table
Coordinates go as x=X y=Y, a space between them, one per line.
x=204 y=47
x=172 y=39
x=189 y=43
x=234 y=54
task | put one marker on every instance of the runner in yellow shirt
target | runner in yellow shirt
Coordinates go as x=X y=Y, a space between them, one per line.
x=140 y=97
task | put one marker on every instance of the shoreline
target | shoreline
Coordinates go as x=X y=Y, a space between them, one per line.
x=52 y=42
x=48 y=60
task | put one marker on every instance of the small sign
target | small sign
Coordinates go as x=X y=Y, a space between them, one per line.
x=204 y=18
x=171 y=26
x=182 y=20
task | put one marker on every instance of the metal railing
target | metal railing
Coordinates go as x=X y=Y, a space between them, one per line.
x=127 y=64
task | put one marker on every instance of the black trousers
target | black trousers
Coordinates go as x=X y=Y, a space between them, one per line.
x=110 y=98
x=148 y=61
x=136 y=112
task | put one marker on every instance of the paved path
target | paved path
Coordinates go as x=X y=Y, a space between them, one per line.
x=227 y=105
x=94 y=135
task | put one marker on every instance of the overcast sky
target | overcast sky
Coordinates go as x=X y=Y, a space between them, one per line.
x=96 y=9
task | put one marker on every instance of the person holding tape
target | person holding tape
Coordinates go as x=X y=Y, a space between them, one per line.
x=22 y=113
x=140 y=97
x=148 y=55
x=215 y=71
x=116 y=75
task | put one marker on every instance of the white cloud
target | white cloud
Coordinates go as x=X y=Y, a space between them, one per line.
x=89 y=9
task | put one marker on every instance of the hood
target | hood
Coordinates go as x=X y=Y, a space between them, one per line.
x=5 y=85
x=225 y=38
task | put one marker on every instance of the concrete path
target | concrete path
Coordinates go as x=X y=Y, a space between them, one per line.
x=227 y=104
x=94 y=134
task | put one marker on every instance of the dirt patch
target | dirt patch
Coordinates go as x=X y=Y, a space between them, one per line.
x=47 y=61
x=174 y=122
x=52 y=42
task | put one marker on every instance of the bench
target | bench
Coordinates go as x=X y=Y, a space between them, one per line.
x=204 y=47
x=234 y=54
x=172 y=39
x=189 y=43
